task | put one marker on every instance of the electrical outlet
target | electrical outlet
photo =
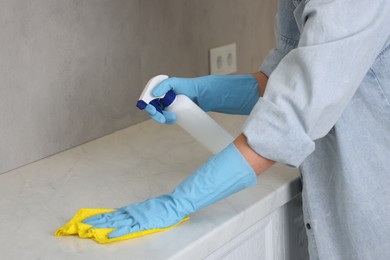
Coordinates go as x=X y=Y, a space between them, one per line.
x=223 y=59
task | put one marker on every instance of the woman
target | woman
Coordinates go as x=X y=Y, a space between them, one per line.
x=325 y=109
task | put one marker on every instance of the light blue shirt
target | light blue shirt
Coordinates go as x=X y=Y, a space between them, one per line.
x=326 y=109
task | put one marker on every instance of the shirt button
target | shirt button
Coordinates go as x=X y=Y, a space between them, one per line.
x=308 y=226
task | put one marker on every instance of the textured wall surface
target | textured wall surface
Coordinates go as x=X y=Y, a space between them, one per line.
x=72 y=70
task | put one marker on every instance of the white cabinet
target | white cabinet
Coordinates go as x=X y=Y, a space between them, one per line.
x=279 y=236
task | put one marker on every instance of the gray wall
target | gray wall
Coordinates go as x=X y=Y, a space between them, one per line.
x=72 y=70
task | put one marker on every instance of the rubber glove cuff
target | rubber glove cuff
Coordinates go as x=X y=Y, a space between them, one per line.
x=224 y=174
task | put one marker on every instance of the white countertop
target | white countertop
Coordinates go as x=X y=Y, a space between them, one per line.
x=128 y=166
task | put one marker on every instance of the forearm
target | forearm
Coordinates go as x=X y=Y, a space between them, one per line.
x=262 y=80
x=256 y=161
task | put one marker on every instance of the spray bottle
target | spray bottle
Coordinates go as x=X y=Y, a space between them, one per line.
x=188 y=115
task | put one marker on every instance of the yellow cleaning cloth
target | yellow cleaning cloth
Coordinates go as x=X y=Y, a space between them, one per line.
x=76 y=227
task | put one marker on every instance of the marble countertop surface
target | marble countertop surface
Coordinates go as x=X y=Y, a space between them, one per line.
x=128 y=166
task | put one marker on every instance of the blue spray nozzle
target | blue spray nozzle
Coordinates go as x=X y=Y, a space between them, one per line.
x=141 y=104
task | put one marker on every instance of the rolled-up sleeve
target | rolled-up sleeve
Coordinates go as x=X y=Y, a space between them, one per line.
x=312 y=84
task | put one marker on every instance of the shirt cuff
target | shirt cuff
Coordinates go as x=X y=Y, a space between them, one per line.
x=274 y=135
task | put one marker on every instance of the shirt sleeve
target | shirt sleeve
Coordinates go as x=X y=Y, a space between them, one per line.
x=311 y=86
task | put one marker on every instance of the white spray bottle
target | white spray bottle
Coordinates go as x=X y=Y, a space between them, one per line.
x=188 y=115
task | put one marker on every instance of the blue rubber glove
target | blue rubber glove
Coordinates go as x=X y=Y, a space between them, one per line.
x=230 y=94
x=224 y=174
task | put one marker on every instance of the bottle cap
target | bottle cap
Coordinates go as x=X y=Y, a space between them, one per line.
x=168 y=99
